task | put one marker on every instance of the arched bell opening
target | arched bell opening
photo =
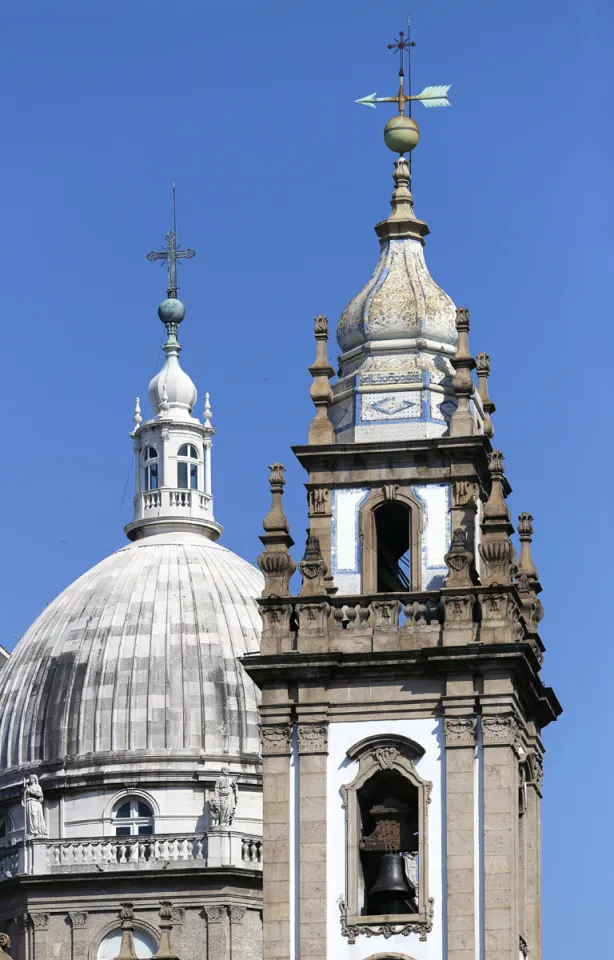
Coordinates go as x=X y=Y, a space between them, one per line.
x=393 y=545
x=389 y=809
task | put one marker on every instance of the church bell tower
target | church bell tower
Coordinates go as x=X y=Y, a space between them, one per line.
x=402 y=701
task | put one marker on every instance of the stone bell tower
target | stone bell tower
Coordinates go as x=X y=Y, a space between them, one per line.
x=402 y=702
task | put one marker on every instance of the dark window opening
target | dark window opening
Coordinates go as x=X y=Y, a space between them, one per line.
x=389 y=845
x=392 y=531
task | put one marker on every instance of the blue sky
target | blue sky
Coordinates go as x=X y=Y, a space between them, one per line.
x=280 y=177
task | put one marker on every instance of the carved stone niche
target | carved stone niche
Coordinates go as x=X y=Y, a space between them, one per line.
x=386 y=821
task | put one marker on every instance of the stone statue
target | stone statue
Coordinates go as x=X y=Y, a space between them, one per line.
x=224 y=800
x=33 y=805
x=5 y=941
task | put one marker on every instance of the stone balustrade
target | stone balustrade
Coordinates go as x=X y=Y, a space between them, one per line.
x=398 y=621
x=99 y=854
x=191 y=503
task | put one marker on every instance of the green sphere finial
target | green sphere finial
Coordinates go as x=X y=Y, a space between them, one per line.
x=171 y=311
x=401 y=134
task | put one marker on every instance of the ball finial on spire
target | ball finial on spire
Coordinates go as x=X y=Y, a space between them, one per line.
x=171 y=311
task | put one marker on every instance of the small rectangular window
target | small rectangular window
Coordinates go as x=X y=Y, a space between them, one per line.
x=193 y=476
x=144 y=829
x=122 y=831
x=152 y=476
x=182 y=476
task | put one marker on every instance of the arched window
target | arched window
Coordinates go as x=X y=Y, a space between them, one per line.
x=150 y=473
x=392 y=532
x=133 y=817
x=187 y=468
x=144 y=945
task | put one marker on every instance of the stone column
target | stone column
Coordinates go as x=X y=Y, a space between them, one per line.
x=313 y=752
x=40 y=927
x=460 y=836
x=218 y=933
x=319 y=500
x=80 y=936
x=501 y=786
x=276 y=840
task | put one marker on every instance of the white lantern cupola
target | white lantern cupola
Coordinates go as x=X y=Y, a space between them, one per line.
x=173 y=448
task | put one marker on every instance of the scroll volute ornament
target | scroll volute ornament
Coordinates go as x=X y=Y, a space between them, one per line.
x=276 y=562
x=312 y=568
x=496 y=548
x=5 y=944
x=459 y=560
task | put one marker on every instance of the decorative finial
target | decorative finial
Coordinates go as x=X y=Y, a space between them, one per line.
x=172 y=254
x=321 y=429
x=276 y=562
x=164 y=404
x=526 y=567
x=496 y=548
x=401 y=133
x=127 y=949
x=138 y=419
x=483 y=372
x=165 y=950
x=461 y=422
x=207 y=414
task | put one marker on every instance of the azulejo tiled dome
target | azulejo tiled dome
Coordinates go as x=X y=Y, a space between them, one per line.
x=138 y=657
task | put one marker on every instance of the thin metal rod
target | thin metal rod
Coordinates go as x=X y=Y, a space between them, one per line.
x=174 y=209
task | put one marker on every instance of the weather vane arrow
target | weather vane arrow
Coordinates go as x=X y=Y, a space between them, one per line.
x=430 y=97
x=401 y=133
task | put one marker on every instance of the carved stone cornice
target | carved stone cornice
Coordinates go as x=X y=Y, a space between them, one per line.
x=459 y=731
x=275 y=739
x=312 y=737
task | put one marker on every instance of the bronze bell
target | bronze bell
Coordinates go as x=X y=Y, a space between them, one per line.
x=391 y=883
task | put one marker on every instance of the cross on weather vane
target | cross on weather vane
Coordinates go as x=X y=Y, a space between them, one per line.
x=402 y=135
x=172 y=254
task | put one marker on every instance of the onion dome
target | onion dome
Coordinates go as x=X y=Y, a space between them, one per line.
x=396 y=337
x=172 y=392
x=138 y=658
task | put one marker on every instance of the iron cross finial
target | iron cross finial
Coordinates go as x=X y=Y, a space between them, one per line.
x=172 y=255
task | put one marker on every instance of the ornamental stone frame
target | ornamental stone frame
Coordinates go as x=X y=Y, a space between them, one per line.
x=387 y=494
x=375 y=754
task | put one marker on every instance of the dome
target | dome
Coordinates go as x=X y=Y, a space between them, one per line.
x=138 y=657
x=401 y=301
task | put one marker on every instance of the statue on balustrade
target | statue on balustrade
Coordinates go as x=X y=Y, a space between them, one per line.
x=224 y=800
x=34 y=815
x=5 y=941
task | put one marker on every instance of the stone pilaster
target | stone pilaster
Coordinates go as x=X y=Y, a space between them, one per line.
x=238 y=933
x=218 y=931
x=276 y=739
x=532 y=827
x=80 y=934
x=460 y=835
x=40 y=930
x=501 y=812
x=313 y=751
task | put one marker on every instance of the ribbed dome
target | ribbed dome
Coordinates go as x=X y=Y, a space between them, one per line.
x=139 y=655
